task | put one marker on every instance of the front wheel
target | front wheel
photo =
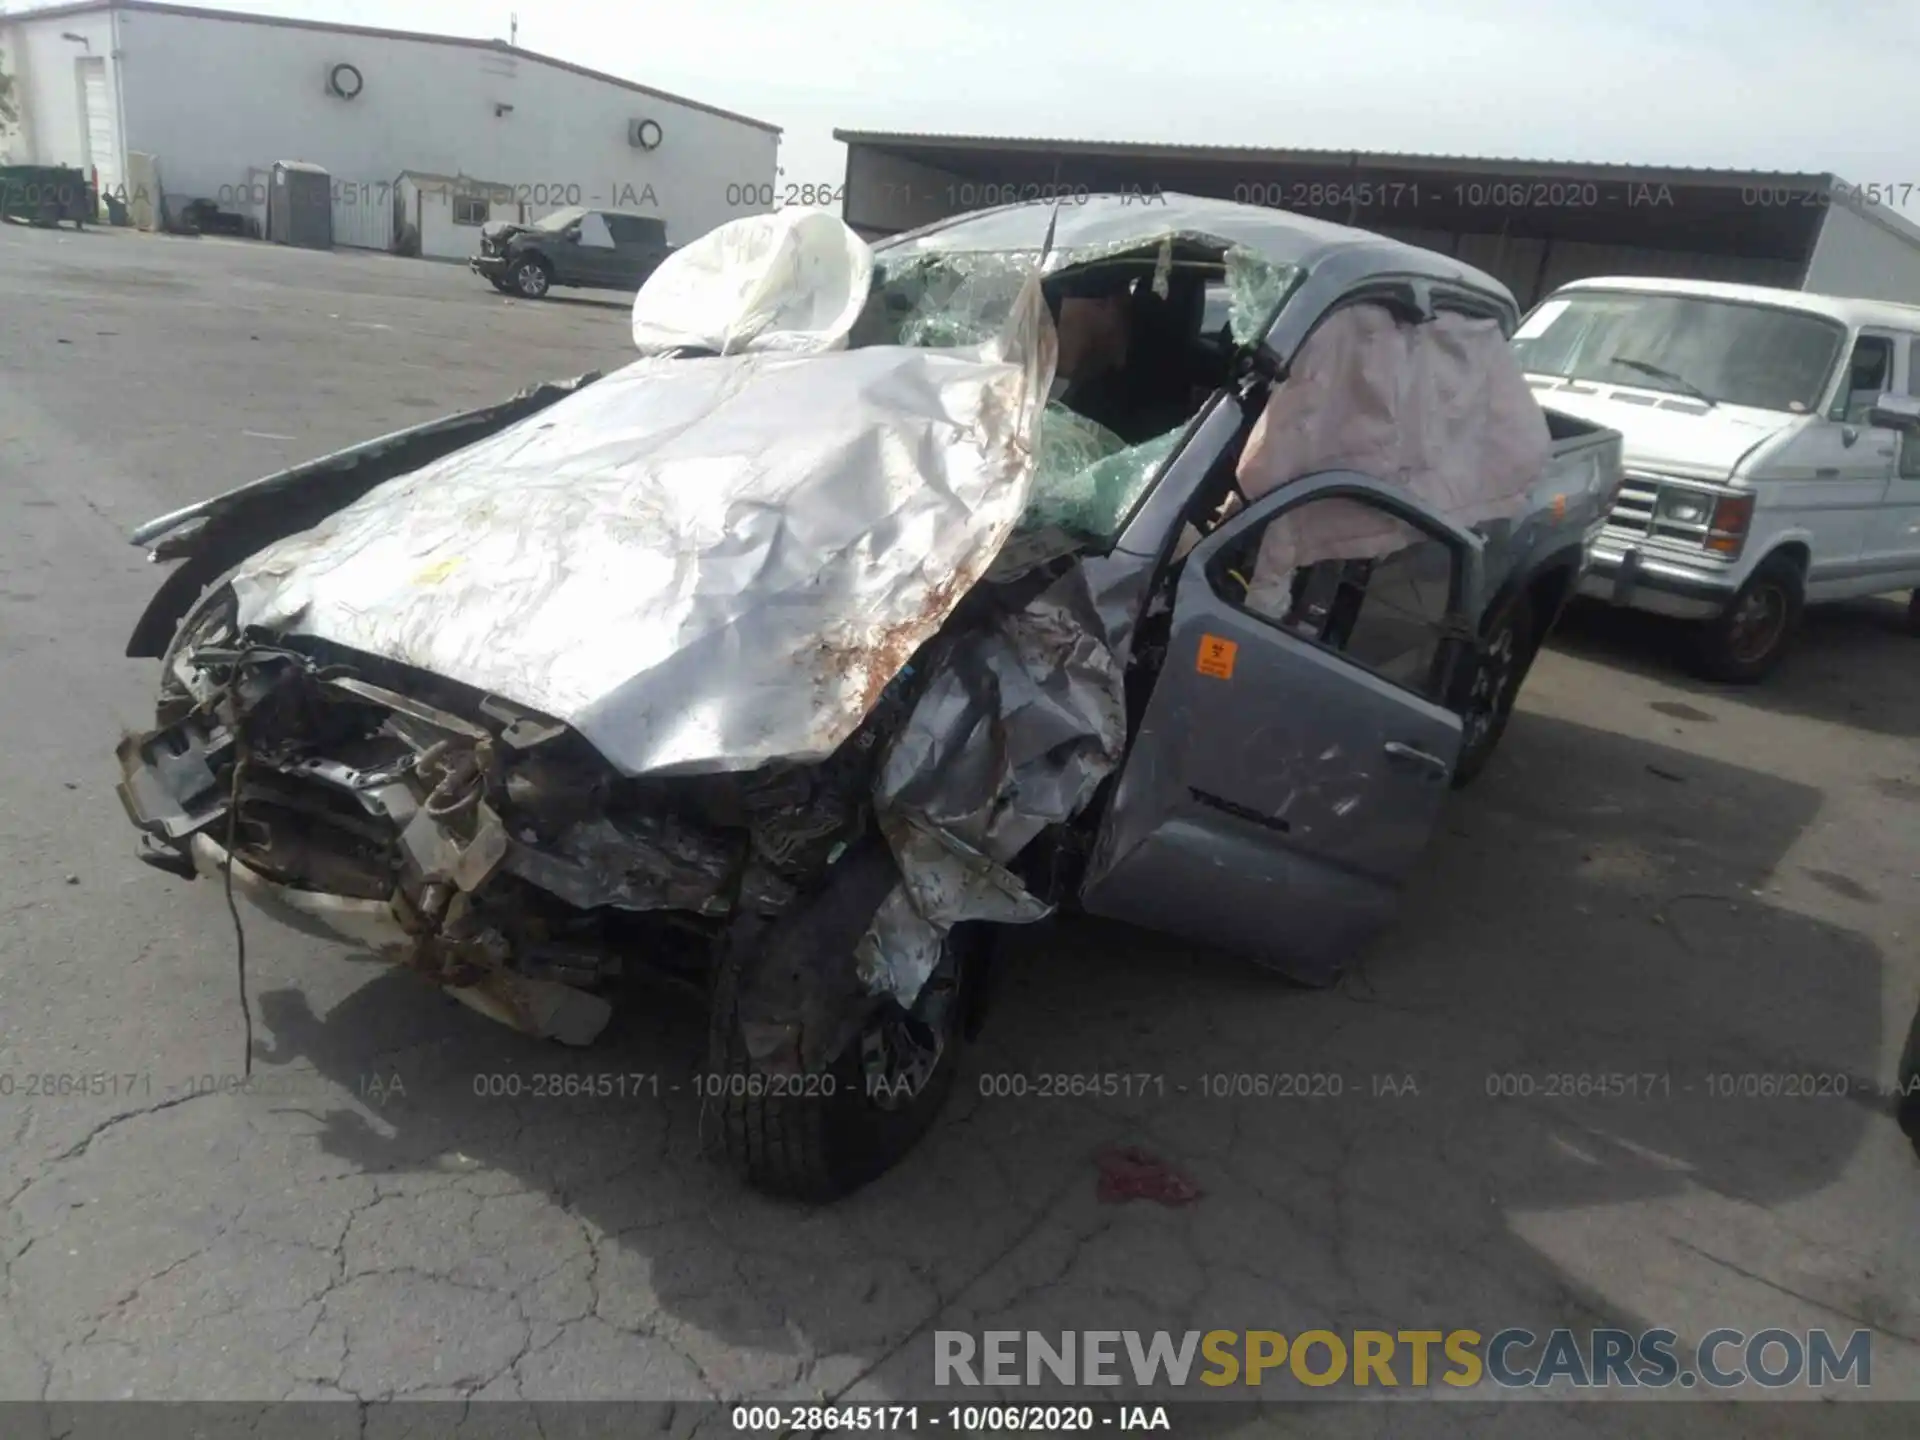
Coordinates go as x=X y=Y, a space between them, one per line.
x=1501 y=666
x=818 y=1136
x=532 y=278
x=1746 y=641
x=1908 y=1108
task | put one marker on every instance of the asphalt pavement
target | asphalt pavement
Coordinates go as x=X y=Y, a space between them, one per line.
x=1655 y=879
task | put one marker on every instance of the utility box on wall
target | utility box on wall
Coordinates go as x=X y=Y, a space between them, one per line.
x=300 y=206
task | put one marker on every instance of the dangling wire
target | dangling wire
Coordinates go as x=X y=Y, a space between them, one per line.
x=239 y=930
x=233 y=835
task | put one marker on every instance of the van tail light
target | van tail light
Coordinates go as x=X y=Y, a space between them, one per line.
x=1732 y=516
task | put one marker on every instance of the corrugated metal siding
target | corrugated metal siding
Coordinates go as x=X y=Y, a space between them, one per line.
x=1368 y=159
x=1512 y=260
x=1516 y=262
x=1570 y=260
x=363 y=214
x=1863 y=256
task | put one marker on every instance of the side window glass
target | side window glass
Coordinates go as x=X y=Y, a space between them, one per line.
x=1350 y=576
x=1910 y=442
x=1869 y=375
x=594 y=232
x=636 y=231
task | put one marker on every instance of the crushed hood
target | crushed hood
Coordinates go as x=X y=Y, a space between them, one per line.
x=1674 y=441
x=700 y=564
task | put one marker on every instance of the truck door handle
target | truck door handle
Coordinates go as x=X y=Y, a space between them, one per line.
x=1420 y=757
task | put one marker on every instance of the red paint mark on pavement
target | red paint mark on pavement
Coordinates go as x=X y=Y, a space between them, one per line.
x=1129 y=1173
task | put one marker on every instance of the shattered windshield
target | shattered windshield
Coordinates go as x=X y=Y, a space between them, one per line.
x=1725 y=351
x=1088 y=479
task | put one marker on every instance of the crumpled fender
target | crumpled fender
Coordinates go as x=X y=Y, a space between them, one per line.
x=213 y=536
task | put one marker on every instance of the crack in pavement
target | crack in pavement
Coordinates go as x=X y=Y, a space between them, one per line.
x=85 y=1142
x=1042 y=1213
x=1877 y=1326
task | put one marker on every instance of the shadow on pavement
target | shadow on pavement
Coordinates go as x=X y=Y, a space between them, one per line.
x=1588 y=911
x=1854 y=663
x=597 y=301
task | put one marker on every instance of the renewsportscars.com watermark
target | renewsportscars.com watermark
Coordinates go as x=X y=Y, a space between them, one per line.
x=1772 y=1359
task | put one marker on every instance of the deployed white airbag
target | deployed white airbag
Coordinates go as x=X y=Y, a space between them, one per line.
x=792 y=282
x=1441 y=408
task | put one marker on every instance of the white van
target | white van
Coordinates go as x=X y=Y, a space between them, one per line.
x=1772 y=450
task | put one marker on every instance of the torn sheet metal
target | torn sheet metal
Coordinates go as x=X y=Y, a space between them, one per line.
x=701 y=565
x=1013 y=732
x=636 y=862
x=791 y=283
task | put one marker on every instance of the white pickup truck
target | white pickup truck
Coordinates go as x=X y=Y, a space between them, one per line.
x=1772 y=450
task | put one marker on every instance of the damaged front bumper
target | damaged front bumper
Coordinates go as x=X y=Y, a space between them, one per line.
x=389 y=856
x=492 y=850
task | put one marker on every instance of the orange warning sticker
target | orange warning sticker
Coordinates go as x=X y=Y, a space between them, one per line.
x=1216 y=657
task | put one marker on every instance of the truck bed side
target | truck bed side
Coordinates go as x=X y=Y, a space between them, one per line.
x=1564 y=510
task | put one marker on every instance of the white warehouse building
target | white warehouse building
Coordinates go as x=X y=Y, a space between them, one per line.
x=403 y=123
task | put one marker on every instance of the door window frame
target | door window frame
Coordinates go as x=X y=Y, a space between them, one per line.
x=1838 y=411
x=1907 y=466
x=1458 y=630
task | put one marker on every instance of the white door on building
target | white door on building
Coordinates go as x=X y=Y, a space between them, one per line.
x=100 y=124
x=363 y=214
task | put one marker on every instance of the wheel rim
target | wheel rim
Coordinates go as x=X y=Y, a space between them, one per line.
x=1755 y=627
x=1490 y=685
x=533 y=280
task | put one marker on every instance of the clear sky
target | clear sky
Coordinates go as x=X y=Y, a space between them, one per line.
x=1766 y=84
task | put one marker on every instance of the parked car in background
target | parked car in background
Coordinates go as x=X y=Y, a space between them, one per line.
x=45 y=195
x=793 y=660
x=595 y=249
x=1772 y=450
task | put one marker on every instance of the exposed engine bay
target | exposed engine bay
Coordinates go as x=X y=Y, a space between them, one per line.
x=490 y=849
x=498 y=854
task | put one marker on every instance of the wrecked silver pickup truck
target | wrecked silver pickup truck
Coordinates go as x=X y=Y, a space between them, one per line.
x=1166 y=561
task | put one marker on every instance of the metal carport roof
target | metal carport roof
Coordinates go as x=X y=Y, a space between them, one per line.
x=1760 y=213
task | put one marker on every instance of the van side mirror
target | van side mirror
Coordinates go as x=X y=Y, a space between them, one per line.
x=1894 y=411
